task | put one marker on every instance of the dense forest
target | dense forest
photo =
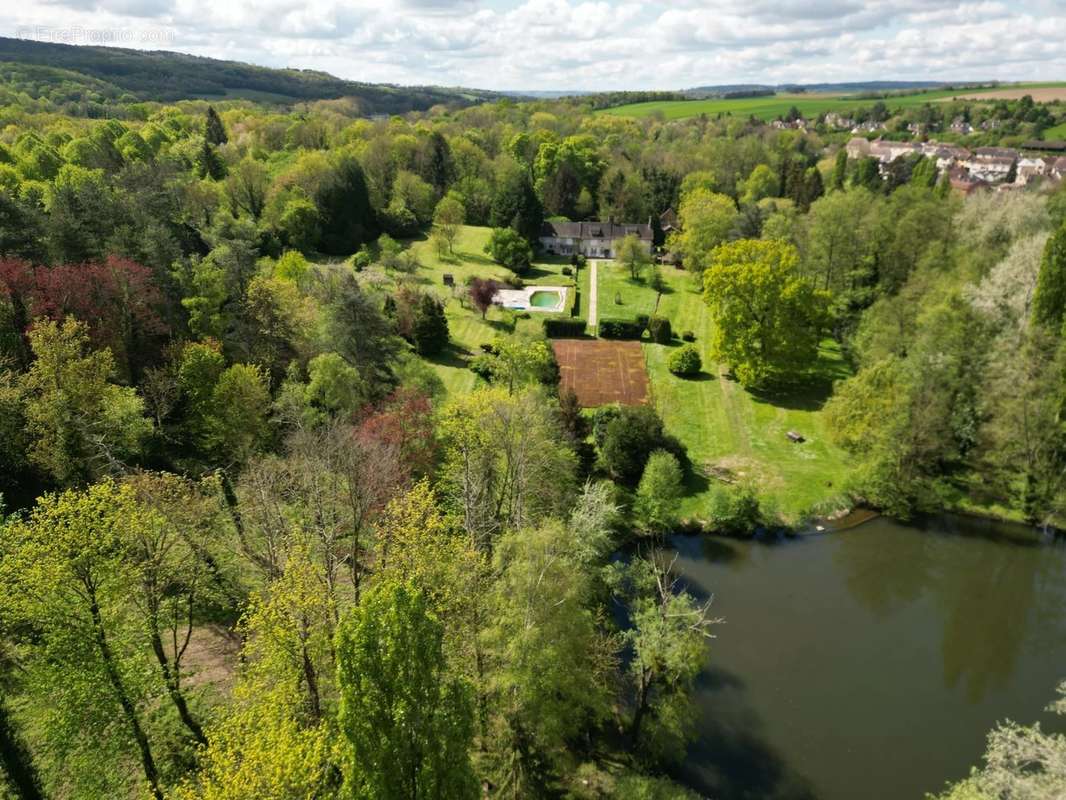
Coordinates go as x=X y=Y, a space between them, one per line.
x=253 y=546
x=100 y=81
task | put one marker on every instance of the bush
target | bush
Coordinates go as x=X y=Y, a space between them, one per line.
x=688 y=336
x=613 y=328
x=567 y=271
x=660 y=329
x=685 y=361
x=736 y=511
x=482 y=365
x=642 y=321
x=559 y=328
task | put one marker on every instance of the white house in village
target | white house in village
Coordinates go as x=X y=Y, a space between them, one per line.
x=591 y=239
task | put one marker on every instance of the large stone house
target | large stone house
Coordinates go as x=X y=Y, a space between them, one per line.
x=591 y=239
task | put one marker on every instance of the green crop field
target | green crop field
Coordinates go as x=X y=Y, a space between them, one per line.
x=767 y=108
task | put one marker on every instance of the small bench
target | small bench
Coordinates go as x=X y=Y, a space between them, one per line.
x=795 y=437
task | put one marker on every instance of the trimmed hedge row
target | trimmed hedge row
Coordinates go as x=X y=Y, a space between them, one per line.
x=561 y=328
x=613 y=328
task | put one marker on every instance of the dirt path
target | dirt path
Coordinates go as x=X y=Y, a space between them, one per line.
x=593 y=291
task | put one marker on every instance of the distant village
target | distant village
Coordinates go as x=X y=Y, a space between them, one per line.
x=968 y=169
x=1001 y=168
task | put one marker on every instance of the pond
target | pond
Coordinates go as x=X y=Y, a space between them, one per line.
x=870 y=662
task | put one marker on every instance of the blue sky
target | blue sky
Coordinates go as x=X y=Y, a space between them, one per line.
x=583 y=44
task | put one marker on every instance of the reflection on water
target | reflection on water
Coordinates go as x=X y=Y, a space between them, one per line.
x=871 y=662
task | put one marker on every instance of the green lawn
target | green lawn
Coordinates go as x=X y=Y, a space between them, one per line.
x=767 y=108
x=467 y=330
x=1057 y=133
x=728 y=430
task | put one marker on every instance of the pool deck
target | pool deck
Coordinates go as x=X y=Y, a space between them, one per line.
x=521 y=299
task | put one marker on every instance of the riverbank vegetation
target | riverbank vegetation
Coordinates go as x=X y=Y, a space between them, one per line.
x=279 y=476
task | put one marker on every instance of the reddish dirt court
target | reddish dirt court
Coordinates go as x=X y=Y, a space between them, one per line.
x=601 y=372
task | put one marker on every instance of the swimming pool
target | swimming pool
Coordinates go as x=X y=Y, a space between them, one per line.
x=548 y=299
x=544 y=299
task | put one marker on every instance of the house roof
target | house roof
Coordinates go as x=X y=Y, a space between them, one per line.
x=595 y=230
x=995 y=152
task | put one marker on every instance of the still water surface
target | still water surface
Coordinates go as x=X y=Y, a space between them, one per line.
x=871 y=662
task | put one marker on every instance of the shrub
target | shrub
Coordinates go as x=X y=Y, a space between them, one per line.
x=482 y=365
x=560 y=328
x=660 y=329
x=567 y=271
x=685 y=361
x=613 y=328
x=736 y=510
x=688 y=336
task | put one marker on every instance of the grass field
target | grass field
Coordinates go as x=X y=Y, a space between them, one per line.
x=467 y=330
x=729 y=431
x=767 y=108
x=1056 y=134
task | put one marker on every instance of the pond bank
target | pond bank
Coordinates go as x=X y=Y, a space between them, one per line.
x=871 y=662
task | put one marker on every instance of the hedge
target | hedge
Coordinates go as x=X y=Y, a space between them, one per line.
x=685 y=361
x=560 y=327
x=613 y=328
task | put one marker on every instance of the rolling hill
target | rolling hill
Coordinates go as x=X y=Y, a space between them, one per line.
x=70 y=75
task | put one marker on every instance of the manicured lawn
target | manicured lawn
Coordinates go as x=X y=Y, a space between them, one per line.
x=467 y=330
x=729 y=431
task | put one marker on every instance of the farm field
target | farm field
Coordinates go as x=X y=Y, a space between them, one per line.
x=1041 y=94
x=810 y=105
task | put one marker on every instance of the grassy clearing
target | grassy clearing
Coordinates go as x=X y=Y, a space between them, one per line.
x=467 y=330
x=1058 y=133
x=729 y=431
x=767 y=108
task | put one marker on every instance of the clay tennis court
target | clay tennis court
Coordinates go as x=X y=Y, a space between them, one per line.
x=601 y=372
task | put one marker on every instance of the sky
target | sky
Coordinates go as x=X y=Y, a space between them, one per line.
x=582 y=44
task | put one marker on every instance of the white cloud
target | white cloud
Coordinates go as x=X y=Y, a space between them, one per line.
x=591 y=44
